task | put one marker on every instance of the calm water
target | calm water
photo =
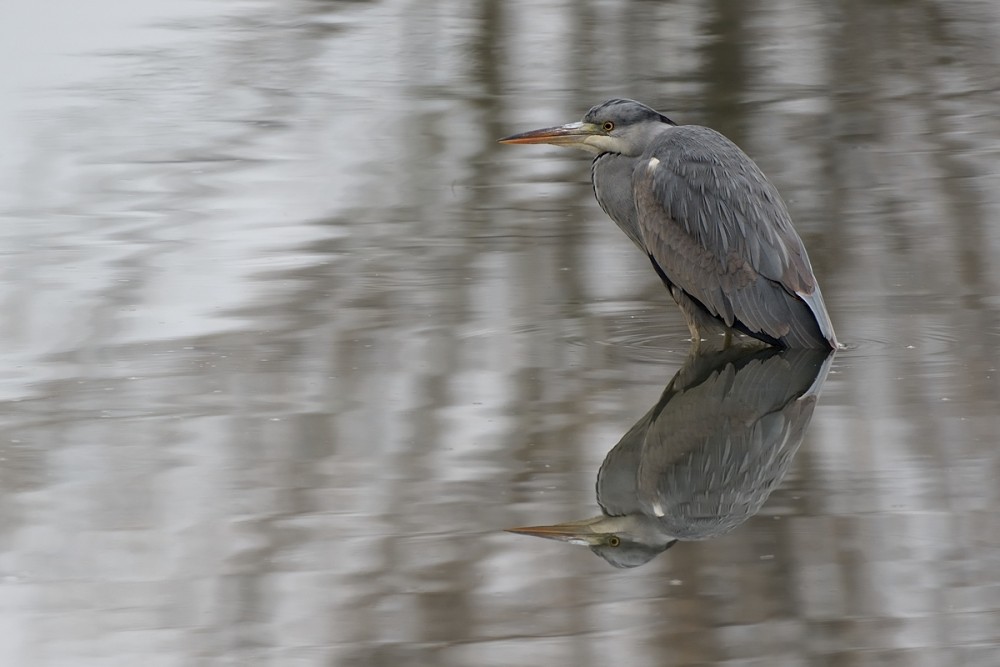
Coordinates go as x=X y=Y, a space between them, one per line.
x=289 y=340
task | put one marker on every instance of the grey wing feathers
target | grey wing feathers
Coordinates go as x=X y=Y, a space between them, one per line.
x=720 y=232
x=714 y=454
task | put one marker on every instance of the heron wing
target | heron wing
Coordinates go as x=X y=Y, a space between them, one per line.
x=719 y=231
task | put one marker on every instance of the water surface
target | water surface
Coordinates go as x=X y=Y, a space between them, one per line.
x=289 y=339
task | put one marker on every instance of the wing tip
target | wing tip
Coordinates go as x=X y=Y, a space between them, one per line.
x=820 y=316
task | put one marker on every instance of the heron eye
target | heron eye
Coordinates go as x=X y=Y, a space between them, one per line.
x=608 y=126
x=613 y=541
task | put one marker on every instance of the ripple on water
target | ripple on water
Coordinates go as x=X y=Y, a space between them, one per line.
x=640 y=332
x=930 y=341
x=937 y=353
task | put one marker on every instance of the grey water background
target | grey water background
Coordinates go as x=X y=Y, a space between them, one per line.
x=288 y=340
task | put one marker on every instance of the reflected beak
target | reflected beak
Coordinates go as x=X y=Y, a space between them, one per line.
x=575 y=532
x=573 y=134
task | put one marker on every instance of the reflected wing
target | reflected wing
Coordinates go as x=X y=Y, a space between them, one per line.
x=717 y=229
x=617 y=493
x=720 y=445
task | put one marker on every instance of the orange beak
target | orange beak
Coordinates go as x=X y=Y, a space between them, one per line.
x=571 y=134
x=575 y=532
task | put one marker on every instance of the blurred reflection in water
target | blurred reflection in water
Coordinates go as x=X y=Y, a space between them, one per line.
x=705 y=458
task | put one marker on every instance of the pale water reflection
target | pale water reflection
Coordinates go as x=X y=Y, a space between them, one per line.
x=288 y=339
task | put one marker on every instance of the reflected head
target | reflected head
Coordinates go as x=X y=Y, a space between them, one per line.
x=629 y=553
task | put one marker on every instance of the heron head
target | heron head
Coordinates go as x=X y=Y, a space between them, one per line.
x=616 y=126
x=623 y=541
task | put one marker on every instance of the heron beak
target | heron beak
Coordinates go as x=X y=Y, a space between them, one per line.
x=575 y=532
x=573 y=134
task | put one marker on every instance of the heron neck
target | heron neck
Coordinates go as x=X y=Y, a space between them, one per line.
x=611 y=175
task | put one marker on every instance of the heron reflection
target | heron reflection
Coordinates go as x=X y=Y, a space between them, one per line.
x=705 y=458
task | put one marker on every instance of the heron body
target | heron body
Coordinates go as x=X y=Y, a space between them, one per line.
x=715 y=229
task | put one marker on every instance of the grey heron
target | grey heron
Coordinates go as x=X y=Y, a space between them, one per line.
x=716 y=230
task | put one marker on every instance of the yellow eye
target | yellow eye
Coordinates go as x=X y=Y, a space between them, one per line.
x=613 y=541
x=608 y=126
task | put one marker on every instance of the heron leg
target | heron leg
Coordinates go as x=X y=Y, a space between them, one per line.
x=707 y=331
